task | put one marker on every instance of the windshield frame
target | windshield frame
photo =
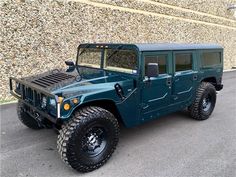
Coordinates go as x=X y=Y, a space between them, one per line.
x=108 y=46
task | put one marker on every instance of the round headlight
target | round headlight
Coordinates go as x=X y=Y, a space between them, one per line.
x=44 y=102
x=52 y=102
x=75 y=100
x=66 y=106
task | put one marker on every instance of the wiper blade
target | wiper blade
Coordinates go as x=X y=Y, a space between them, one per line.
x=114 y=52
x=85 y=48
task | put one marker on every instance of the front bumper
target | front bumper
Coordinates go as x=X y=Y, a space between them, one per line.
x=219 y=87
x=36 y=94
x=42 y=114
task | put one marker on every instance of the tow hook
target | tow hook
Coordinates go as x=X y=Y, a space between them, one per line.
x=39 y=121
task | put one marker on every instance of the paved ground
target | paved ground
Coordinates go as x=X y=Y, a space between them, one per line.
x=174 y=145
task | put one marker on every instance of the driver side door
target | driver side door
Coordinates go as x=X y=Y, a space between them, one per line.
x=156 y=91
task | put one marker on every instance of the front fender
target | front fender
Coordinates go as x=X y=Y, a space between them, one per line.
x=128 y=109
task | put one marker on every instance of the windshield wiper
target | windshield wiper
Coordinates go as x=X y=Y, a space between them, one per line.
x=114 y=52
x=84 y=49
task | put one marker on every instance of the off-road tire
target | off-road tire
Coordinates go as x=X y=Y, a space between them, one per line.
x=25 y=118
x=197 y=111
x=71 y=135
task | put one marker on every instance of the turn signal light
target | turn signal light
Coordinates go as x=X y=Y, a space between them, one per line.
x=75 y=101
x=66 y=106
x=60 y=99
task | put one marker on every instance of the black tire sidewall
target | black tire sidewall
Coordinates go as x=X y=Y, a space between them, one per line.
x=76 y=156
x=110 y=136
x=208 y=91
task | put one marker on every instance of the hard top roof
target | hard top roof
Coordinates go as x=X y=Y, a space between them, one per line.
x=157 y=46
x=175 y=46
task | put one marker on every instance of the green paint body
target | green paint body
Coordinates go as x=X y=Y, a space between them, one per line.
x=143 y=99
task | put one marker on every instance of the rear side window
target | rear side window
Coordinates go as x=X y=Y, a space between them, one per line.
x=161 y=59
x=211 y=58
x=183 y=61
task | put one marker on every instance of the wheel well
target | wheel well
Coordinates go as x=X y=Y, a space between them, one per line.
x=211 y=80
x=105 y=104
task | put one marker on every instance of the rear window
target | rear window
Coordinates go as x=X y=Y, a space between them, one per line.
x=211 y=58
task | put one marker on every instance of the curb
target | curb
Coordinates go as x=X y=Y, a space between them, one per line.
x=10 y=102
x=229 y=70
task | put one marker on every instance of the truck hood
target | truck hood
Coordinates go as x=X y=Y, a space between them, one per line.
x=69 y=84
x=98 y=84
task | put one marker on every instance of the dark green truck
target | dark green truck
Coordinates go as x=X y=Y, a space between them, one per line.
x=113 y=84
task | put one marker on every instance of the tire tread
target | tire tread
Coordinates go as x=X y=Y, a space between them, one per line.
x=66 y=136
x=26 y=119
x=194 y=109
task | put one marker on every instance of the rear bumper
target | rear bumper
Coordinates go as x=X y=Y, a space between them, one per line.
x=219 y=87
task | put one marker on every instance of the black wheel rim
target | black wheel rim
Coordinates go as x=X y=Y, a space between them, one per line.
x=206 y=103
x=94 y=141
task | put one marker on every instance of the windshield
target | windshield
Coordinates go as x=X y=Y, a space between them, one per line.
x=90 y=57
x=120 y=60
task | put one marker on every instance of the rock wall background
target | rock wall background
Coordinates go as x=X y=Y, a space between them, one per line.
x=41 y=34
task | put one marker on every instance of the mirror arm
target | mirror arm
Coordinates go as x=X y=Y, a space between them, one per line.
x=147 y=79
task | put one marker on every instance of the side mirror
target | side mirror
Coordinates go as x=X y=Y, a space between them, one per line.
x=71 y=66
x=152 y=70
x=69 y=63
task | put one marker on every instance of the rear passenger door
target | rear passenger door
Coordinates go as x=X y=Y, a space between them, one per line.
x=184 y=78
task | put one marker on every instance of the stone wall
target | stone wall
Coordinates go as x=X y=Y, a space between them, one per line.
x=39 y=35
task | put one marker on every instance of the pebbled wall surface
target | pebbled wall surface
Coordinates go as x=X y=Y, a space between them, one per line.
x=38 y=35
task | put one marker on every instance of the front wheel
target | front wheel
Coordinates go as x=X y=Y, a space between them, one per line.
x=88 y=140
x=204 y=102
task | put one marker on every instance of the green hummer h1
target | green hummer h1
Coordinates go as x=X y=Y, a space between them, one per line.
x=112 y=84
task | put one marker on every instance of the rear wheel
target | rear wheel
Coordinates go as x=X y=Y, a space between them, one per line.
x=88 y=140
x=25 y=118
x=204 y=102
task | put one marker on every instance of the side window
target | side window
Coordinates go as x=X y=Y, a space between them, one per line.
x=211 y=58
x=183 y=62
x=161 y=59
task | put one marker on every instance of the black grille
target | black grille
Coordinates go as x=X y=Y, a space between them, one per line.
x=32 y=96
x=29 y=93
x=49 y=80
